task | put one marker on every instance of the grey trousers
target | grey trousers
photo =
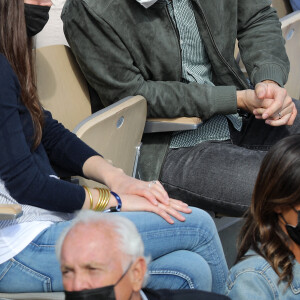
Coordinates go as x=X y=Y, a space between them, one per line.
x=220 y=176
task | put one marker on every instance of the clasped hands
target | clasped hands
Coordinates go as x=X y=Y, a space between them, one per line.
x=269 y=102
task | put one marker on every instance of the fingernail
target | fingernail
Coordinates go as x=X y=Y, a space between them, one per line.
x=265 y=116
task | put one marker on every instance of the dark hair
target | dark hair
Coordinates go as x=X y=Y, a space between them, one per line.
x=17 y=48
x=277 y=185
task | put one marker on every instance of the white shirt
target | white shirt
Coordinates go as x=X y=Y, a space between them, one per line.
x=144 y=297
x=146 y=3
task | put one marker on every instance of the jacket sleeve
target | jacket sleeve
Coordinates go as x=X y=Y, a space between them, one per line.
x=261 y=43
x=111 y=71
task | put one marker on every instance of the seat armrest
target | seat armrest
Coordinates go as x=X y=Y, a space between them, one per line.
x=10 y=211
x=175 y=124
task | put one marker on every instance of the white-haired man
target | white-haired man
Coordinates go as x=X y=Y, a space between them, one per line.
x=102 y=257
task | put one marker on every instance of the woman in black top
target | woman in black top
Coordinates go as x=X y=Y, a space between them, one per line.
x=30 y=139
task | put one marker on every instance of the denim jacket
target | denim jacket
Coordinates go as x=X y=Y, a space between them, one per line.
x=254 y=279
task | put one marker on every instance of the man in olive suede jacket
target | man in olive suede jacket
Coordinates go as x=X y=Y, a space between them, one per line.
x=180 y=56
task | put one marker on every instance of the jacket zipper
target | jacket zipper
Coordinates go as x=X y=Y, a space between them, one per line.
x=219 y=53
x=178 y=38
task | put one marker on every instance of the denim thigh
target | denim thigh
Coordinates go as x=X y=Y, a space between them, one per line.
x=180 y=269
x=197 y=235
x=36 y=268
x=220 y=175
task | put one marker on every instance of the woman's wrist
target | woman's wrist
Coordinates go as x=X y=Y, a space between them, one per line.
x=95 y=198
x=100 y=170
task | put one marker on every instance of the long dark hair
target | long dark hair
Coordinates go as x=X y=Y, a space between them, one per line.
x=277 y=185
x=17 y=48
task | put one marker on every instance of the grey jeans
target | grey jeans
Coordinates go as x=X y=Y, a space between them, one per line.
x=220 y=176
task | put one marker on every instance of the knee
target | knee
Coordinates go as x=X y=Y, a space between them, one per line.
x=180 y=270
x=202 y=220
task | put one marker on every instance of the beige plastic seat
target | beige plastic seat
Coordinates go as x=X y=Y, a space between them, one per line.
x=115 y=131
x=283 y=7
x=10 y=211
x=291 y=33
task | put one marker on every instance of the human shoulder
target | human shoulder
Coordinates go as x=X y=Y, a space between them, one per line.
x=93 y=6
x=253 y=275
x=8 y=78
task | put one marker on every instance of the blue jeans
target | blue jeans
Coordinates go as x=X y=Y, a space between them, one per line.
x=184 y=255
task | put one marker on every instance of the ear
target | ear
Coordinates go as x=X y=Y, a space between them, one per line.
x=137 y=273
x=278 y=209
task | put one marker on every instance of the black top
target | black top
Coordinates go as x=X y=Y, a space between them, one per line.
x=26 y=172
x=182 y=295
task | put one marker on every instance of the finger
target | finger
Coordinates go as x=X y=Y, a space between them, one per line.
x=277 y=104
x=285 y=111
x=261 y=90
x=178 y=202
x=159 y=196
x=259 y=111
x=263 y=106
x=283 y=121
x=168 y=211
x=259 y=117
x=180 y=208
x=160 y=192
x=293 y=116
x=146 y=193
x=162 y=188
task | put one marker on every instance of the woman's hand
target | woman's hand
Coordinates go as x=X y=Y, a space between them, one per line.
x=153 y=191
x=136 y=195
x=137 y=203
x=98 y=169
x=174 y=208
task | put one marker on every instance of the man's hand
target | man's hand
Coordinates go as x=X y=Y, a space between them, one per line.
x=279 y=108
x=269 y=102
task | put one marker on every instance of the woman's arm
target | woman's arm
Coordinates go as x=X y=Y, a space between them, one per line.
x=136 y=195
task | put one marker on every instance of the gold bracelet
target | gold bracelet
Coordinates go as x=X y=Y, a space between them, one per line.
x=90 y=195
x=98 y=205
x=104 y=196
x=103 y=199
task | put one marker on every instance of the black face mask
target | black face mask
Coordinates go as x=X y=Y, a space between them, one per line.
x=103 y=293
x=36 y=17
x=293 y=231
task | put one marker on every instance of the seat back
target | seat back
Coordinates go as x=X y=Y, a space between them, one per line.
x=283 y=7
x=33 y=296
x=10 y=211
x=61 y=85
x=116 y=132
x=291 y=33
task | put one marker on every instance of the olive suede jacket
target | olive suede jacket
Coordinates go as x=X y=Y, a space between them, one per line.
x=125 y=49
